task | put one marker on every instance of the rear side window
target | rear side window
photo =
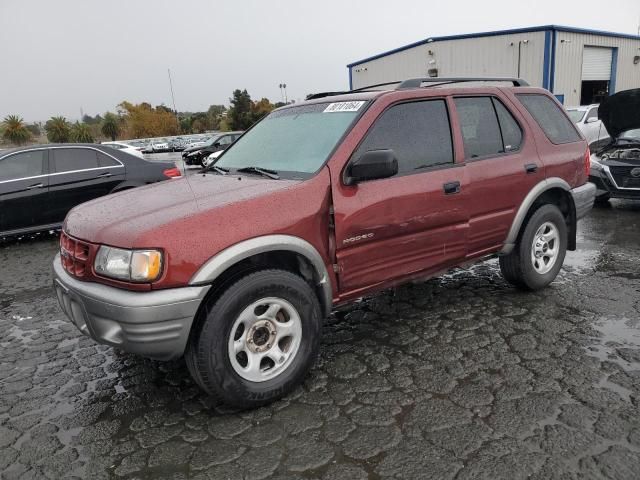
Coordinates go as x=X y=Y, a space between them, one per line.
x=511 y=132
x=553 y=122
x=480 y=128
x=107 y=161
x=418 y=133
x=71 y=159
x=22 y=165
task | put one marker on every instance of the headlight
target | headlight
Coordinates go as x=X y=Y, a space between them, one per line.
x=595 y=163
x=128 y=265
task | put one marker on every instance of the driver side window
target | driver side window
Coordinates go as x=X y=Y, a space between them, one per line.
x=418 y=133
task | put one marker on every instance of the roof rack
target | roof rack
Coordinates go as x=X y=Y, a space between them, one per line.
x=417 y=82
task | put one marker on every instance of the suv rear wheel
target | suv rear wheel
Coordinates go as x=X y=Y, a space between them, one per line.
x=538 y=256
x=258 y=339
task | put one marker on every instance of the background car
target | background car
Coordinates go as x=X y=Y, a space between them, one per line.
x=615 y=168
x=212 y=158
x=125 y=148
x=40 y=184
x=160 y=145
x=222 y=141
x=586 y=119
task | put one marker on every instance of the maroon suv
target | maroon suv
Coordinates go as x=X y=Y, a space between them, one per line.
x=319 y=204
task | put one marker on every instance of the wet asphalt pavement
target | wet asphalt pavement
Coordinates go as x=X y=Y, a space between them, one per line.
x=457 y=377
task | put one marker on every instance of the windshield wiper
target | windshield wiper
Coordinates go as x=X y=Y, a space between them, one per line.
x=265 y=172
x=218 y=170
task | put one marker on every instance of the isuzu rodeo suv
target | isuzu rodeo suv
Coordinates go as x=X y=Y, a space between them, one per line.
x=318 y=204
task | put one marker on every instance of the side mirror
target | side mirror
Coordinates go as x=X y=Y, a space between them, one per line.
x=592 y=120
x=217 y=144
x=372 y=165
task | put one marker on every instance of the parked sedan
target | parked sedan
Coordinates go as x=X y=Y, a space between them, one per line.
x=217 y=143
x=124 y=147
x=586 y=119
x=40 y=184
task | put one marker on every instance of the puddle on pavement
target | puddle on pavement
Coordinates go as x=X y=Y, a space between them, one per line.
x=616 y=333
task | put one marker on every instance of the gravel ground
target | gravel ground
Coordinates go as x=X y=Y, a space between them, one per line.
x=457 y=377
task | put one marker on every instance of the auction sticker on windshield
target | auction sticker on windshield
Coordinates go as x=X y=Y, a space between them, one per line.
x=343 y=107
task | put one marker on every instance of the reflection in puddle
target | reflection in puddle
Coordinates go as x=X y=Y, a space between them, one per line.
x=617 y=333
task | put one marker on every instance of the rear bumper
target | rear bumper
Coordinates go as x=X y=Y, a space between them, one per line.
x=583 y=198
x=153 y=324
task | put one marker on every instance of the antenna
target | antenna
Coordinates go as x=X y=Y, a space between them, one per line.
x=175 y=111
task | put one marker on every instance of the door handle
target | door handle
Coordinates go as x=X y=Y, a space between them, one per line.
x=104 y=175
x=37 y=185
x=531 y=168
x=451 y=188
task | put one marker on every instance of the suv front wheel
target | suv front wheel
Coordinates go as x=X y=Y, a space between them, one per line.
x=257 y=340
x=539 y=253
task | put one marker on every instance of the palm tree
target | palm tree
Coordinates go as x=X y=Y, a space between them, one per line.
x=58 y=130
x=110 y=126
x=15 y=131
x=81 y=133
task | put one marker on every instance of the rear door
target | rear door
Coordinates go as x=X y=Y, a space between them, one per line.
x=414 y=222
x=79 y=174
x=23 y=189
x=503 y=165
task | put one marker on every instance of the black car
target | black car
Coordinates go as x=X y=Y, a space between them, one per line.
x=615 y=168
x=40 y=184
x=197 y=155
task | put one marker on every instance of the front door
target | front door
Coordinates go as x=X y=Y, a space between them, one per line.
x=23 y=189
x=413 y=223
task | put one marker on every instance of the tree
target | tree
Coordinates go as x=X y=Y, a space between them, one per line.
x=81 y=133
x=261 y=108
x=240 y=116
x=89 y=120
x=15 y=130
x=214 y=115
x=58 y=130
x=110 y=126
x=142 y=120
x=34 y=128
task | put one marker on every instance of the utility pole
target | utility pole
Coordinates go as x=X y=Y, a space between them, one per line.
x=283 y=92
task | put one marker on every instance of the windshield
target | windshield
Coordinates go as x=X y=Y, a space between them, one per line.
x=631 y=134
x=210 y=141
x=295 y=139
x=576 y=115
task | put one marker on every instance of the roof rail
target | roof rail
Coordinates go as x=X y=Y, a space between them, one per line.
x=417 y=82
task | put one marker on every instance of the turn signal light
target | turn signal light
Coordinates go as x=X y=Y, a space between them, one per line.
x=172 y=172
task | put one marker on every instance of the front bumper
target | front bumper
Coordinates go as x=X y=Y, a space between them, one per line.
x=606 y=185
x=153 y=324
x=583 y=198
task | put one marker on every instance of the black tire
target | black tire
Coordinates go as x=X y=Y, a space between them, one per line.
x=517 y=267
x=207 y=354
x=602 y=200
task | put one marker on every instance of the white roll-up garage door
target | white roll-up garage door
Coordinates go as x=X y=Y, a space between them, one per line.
x=596 y=63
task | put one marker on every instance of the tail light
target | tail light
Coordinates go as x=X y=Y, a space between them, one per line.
x=172 y=172
x=587 y=162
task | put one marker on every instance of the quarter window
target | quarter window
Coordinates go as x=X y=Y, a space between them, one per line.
x=418 y=133
x=593 y=113
x=22 y=165
x=553 y=122
x=71 y=159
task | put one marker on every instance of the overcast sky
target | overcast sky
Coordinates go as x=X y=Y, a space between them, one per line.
x=58 y=56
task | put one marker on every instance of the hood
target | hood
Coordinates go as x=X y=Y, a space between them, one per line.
x=122 y=218
x=620 y=112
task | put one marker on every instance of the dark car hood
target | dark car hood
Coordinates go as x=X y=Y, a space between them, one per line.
x=193 y=149
x=620 y=112
x=121 y=218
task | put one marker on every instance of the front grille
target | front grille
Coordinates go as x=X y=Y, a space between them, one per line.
x=623 y=177
x=75 y=255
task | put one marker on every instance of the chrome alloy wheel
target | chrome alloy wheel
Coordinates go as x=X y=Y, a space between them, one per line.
x=265 y=339
x=545 y=248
